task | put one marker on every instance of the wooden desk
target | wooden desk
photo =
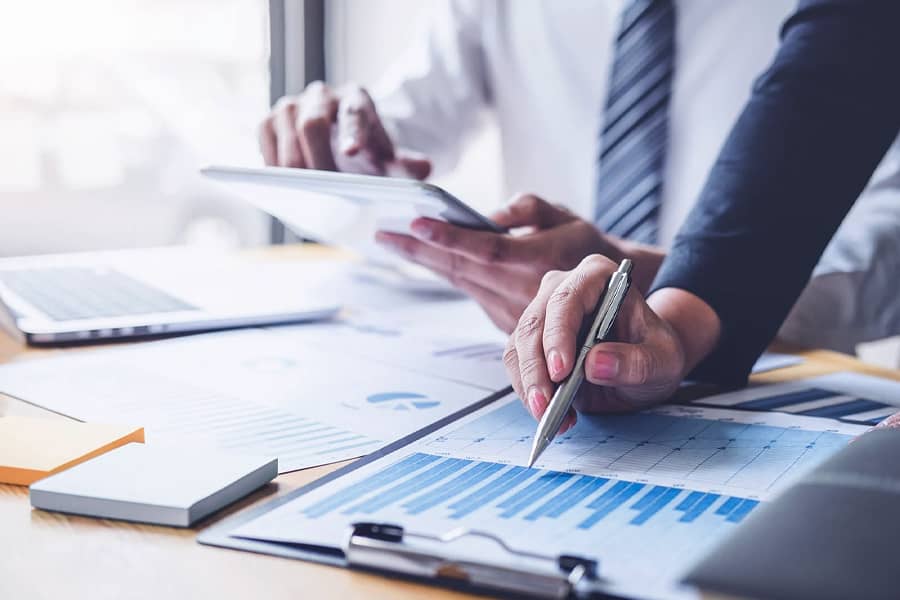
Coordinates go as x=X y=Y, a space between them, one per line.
x=47 y=555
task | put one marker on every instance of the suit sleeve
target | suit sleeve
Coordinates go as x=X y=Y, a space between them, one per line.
x=814 y=129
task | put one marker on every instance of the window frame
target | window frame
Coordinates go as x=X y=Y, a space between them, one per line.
x=296 y=58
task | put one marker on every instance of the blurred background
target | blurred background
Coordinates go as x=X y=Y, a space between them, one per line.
x=109 y=107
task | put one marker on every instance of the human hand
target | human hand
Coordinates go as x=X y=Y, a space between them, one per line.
x=502 y=272
x=658 y=343
x=892 y=422
x=334 y=130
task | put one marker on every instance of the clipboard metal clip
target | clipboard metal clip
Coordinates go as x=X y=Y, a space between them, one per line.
x=386 y=547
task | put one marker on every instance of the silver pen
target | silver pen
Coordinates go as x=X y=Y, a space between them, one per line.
x=562 y=400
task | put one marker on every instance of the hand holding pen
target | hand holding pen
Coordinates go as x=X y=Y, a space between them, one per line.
x=599 y=330
x=641 y=368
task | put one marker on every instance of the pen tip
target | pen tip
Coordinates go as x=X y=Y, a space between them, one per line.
x=537 y=448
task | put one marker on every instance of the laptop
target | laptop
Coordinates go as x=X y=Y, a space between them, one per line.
x=95 y=296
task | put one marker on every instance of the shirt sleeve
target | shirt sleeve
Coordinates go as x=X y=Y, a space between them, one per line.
x=852 y=297
x=815 y=127
x=434 y=97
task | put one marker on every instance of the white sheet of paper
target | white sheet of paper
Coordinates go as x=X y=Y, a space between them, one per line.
x=451 y=340
x=645 y=494
x=305 y=402
x=771 y=361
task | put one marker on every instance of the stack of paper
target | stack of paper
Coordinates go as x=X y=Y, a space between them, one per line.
x=32 y=448
x=166 y=485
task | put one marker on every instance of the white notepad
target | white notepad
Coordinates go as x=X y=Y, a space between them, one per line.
x=164 y=485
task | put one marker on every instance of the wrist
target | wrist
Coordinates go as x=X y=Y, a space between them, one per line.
x=695 y=324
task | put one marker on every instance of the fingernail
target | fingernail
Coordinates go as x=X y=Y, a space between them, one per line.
x=536 y=401
x=555 y=361
x=604 y=366
x=423 y=230
x=388 y=242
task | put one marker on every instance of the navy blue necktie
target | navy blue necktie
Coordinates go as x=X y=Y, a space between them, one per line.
x=635 y=125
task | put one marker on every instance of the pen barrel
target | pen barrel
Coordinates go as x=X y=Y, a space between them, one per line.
x=563 y=399
x=606 y=311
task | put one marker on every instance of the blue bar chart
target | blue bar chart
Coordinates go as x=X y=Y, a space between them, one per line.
x=685 y=447
x=457 y=489
x=646 y=495
x=846 y=405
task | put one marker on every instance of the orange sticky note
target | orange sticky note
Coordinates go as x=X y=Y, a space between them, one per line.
x=33 y=448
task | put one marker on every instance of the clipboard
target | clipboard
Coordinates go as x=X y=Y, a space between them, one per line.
x=385 y=548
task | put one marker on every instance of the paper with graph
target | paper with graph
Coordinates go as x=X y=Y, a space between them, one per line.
x=306 y=395
x=846 y=396
x=646 y=494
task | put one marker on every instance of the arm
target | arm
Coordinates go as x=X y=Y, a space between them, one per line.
x=432 y=99
x=816 y=125
x=813 y=131
x=425 y=108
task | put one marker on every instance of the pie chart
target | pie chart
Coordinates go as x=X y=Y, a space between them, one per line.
x=401 y=401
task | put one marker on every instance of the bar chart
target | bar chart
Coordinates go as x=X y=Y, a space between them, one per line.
x=666 y=445
x=646 y=494
x=485 y=352
x=848 y=397
x=250 y=392
x=458 y=489
x=816 y=402
x=462 y=358
x=176 y=412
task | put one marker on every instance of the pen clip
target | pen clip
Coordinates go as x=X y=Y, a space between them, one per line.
x=608 y=306
x=387 y=547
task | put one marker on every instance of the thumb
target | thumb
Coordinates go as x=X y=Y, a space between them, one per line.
x=409 y=164
x=528 y=210
x=618 y=364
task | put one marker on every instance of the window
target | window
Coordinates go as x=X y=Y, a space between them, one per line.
x=109 y=107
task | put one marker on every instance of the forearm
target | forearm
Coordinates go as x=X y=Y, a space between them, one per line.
x=817 y=123
x=433 y=97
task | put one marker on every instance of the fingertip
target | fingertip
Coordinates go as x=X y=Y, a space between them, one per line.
x=414 y=167
x=502 y=217
x=349 y=146
x=537 y=402
x=392 y=241
x=425 y=228
x=569 y=422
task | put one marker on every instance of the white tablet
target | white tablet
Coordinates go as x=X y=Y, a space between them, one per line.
x=345 y=209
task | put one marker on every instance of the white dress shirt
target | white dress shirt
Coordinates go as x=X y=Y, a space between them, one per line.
x=540 y=68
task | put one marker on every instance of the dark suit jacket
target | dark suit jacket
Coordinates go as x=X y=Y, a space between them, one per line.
x=815 y=127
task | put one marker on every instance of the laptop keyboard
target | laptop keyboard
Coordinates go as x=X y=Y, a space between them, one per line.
x=68 y=293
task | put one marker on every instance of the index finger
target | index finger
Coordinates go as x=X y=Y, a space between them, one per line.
x=567 y=306
x=534 y=381
x=360 y=127
x=317 y=113
x=485 y=247
x=268 y=142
